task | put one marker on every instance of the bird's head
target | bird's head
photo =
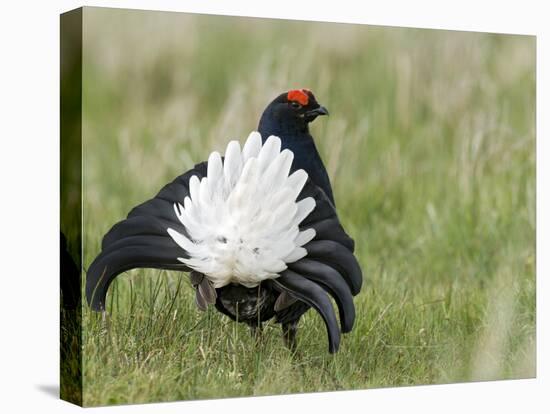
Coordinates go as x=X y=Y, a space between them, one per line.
x=294 y=109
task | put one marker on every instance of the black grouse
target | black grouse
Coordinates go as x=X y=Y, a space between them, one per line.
x=257 y=229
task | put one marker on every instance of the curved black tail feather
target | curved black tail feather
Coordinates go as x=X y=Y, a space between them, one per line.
x=333 y=283
x=142 y=241
x=312 y=294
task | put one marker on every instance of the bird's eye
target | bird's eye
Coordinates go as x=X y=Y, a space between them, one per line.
x=295 y=105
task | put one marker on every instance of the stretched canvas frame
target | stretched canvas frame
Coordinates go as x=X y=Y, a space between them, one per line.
x=431 y=153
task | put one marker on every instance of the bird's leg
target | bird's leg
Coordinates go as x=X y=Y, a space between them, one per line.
x=289 y=334
x=105 y=321
x=256 y=330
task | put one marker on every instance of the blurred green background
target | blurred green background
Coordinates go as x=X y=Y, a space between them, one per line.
x=430 y=146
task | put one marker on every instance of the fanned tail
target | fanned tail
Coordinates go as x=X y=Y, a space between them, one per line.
x=243 y=219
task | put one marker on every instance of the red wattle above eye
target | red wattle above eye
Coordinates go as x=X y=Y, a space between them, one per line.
x=298 y=95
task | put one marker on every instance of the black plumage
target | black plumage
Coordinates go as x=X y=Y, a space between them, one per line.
x=292 y=126
x=330 y=267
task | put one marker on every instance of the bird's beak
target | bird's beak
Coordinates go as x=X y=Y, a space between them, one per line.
x=318 y=111
x=314 y=113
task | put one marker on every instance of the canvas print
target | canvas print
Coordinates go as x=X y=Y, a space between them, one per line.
x=259 y=206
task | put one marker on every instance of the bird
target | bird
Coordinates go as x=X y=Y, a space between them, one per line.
x=256 y=229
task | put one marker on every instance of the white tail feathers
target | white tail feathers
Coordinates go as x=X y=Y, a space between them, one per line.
x=242 y=218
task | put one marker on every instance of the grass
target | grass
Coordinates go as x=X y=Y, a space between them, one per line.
x=431 y=150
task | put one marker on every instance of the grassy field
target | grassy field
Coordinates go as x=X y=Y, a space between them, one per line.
x=430 y=146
